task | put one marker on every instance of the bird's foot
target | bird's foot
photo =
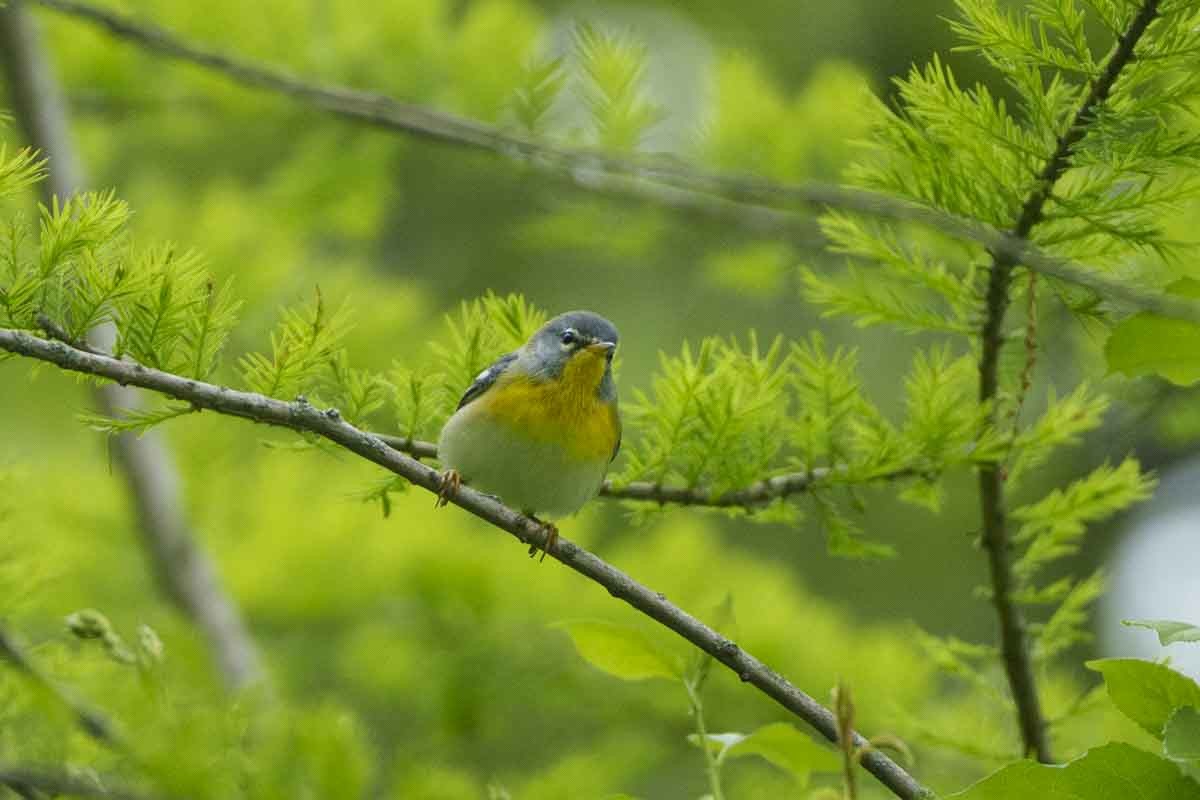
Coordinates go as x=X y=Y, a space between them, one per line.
x=551 y=531
x=451 y=482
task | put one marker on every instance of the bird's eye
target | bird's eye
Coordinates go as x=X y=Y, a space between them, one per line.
x=569 y=336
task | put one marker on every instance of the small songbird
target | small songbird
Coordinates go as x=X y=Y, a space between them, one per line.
x=539 y=427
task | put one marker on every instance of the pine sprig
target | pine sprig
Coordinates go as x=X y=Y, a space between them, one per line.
x=100 y=288
x=484 y=330
x=19 y=170
x=1047 y=34
x=68 y=231
x=69 y=227
x=828 y=399
x=533 y=102
x=1068 y=626
x=214 y=311
x=137 y=421
x=613 y=70
x=302 y=348
x=419 y=401
x=944 y=424
x=151 y=328
x=356 y=393
x=1063 y=423
x=1052 y=528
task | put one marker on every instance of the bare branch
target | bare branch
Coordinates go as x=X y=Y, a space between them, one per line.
x=93 y=723
x=302 y=416
x=1014 y=647
x=756 y=494
x=183 y=570
x=27 y=779
x=751 y=200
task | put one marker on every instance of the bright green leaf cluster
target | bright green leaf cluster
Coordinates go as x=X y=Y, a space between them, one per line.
x=1165 y=703
x=1102 y=773
x=715 y=417
x=1147 y=344
x=629 y=654
x=302 y=348
x=1169 y=632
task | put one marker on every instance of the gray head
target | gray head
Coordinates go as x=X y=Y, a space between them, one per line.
x=575 y=334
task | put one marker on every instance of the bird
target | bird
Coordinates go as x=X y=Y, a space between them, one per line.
x=539 y=428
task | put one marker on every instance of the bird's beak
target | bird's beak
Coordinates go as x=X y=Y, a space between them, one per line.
x=601 y=348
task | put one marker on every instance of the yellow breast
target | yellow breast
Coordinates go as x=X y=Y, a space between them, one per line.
x=564 y=409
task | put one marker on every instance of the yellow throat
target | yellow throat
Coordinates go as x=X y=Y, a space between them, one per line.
x=563 y=409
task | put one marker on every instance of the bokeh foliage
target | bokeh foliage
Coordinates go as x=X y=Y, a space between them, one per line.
x=413 y=653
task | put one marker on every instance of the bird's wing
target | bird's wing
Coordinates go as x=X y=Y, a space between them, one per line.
x=617 y=423
x=484 y=380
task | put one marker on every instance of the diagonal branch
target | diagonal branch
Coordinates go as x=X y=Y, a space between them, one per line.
x=183 y=569
x=748 y=497
x=754 y=201
x=93 y=723
x=302 y=416
x=996 y=540
x=55 y=782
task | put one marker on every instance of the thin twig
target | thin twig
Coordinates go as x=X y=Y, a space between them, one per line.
x=711 y=765
x=752 y=200
x=843 y=709
x=93 y=722
x=1013 y=643
x=302 y=416
x=183 y=569
x=756 y=494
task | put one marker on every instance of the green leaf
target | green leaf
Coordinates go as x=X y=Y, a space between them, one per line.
x=623 y=652
x=1146 y=692
x=1169 y=632
x=1110 y=772
x=779 y=743
x=1181 y=737
x=1149 y=344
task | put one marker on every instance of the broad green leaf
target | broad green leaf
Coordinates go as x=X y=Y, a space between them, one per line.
x=621 y=651
x=780 y=744
x=1146 y=692
x=1149 y=344
x=1111 y=772
x=1181 y=737
x=1168 y=632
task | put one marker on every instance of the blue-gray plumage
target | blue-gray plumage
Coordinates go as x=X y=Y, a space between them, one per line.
x=539 y=427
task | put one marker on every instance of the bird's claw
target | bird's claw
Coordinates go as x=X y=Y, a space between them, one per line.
x=451 y=482
x=548 y=543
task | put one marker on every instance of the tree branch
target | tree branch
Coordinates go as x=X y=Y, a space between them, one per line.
x=184 y=571
x=93 y=723
x=301 y=416
x=22 y=778
x=756 y=494
x=752 y=200
x=1013 y=644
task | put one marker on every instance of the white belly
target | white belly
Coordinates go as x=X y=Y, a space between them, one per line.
x=530 y=476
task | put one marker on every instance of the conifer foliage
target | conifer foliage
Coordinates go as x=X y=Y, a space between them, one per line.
x=1085 y=152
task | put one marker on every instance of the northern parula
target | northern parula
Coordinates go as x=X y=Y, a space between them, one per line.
x=539 y=427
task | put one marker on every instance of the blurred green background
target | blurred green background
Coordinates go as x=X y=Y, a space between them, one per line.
x=426 y=636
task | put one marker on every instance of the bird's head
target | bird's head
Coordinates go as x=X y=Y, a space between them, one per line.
x=577 y=346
